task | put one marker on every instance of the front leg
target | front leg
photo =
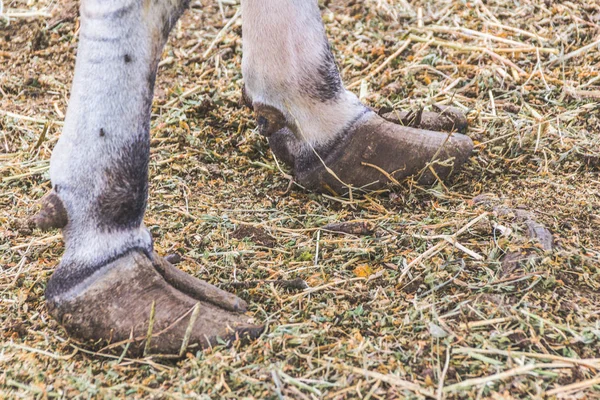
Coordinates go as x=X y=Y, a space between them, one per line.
x=109 y=286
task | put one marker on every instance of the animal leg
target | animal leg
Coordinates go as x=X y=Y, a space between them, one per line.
x=110 y=287
x=332 y=141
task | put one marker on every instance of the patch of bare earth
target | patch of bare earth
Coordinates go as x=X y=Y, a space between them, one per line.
x=424 y=304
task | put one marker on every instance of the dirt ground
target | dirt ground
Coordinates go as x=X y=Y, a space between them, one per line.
x=427 y=300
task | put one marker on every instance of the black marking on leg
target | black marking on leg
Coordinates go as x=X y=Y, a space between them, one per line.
x=167 y=25
x=326 y=84
x=123 y=200
x=246 y=99
x=104 y=59
x=331 y=83
x=269 y=119
x=151 y=80
x=102 y=133
x=111 y=15
x=169 y=19
x=127 y=58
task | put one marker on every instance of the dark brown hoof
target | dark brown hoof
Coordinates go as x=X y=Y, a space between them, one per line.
x=444 y=119
x=150 y=308
x=372 y=154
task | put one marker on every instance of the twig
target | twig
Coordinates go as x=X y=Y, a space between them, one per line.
x=519 y=31
x=403 y=47
x=26 y=14
x=35 y=171
x=30 y=119
x=503 y=375
x=592 y=363
x=440 y=246
x=440 y=391
x=150 y=326
x=322 y=287
x=189 y=329
x=39 y=242
x=574 y=386
x=42 y=352
x=221 y=33
x=471 y=33
x=293 y=381
x=297 y=284
x=387 y=378
x=352 y=228
x=486 y=322
x=466 y=48
x=505 y=61
x=576 y=53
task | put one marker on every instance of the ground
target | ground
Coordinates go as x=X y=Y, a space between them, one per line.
x=394 y=309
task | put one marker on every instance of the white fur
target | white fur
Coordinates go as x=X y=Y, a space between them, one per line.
x=283 y=43
x=111 y=95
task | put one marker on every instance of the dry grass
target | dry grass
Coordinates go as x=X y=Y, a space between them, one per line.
x=457 y=323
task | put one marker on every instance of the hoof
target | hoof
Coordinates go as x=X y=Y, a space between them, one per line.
x=445 y=119
x=150 y=308
x=372 y=153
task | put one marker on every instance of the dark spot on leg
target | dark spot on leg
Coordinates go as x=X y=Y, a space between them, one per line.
x=246 y=99
x=263 y=125
x=102 y=133
x=331 y=83
x=166 y=27
x=269 y=119
x=123 y=202
x=127 y=58
x=326 y=84
x=151 y=80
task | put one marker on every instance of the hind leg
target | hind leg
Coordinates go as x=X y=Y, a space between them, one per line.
x=332 y=141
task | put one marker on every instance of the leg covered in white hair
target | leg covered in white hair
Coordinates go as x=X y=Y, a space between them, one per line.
x=332 y=141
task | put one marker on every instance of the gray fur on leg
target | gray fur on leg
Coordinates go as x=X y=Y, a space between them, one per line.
x=99 y=167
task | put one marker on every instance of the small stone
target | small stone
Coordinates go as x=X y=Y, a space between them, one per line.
x=173 y=258
x=436 y=331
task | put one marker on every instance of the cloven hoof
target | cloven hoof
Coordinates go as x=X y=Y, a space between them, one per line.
x=374 y=152
x=149 y=307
